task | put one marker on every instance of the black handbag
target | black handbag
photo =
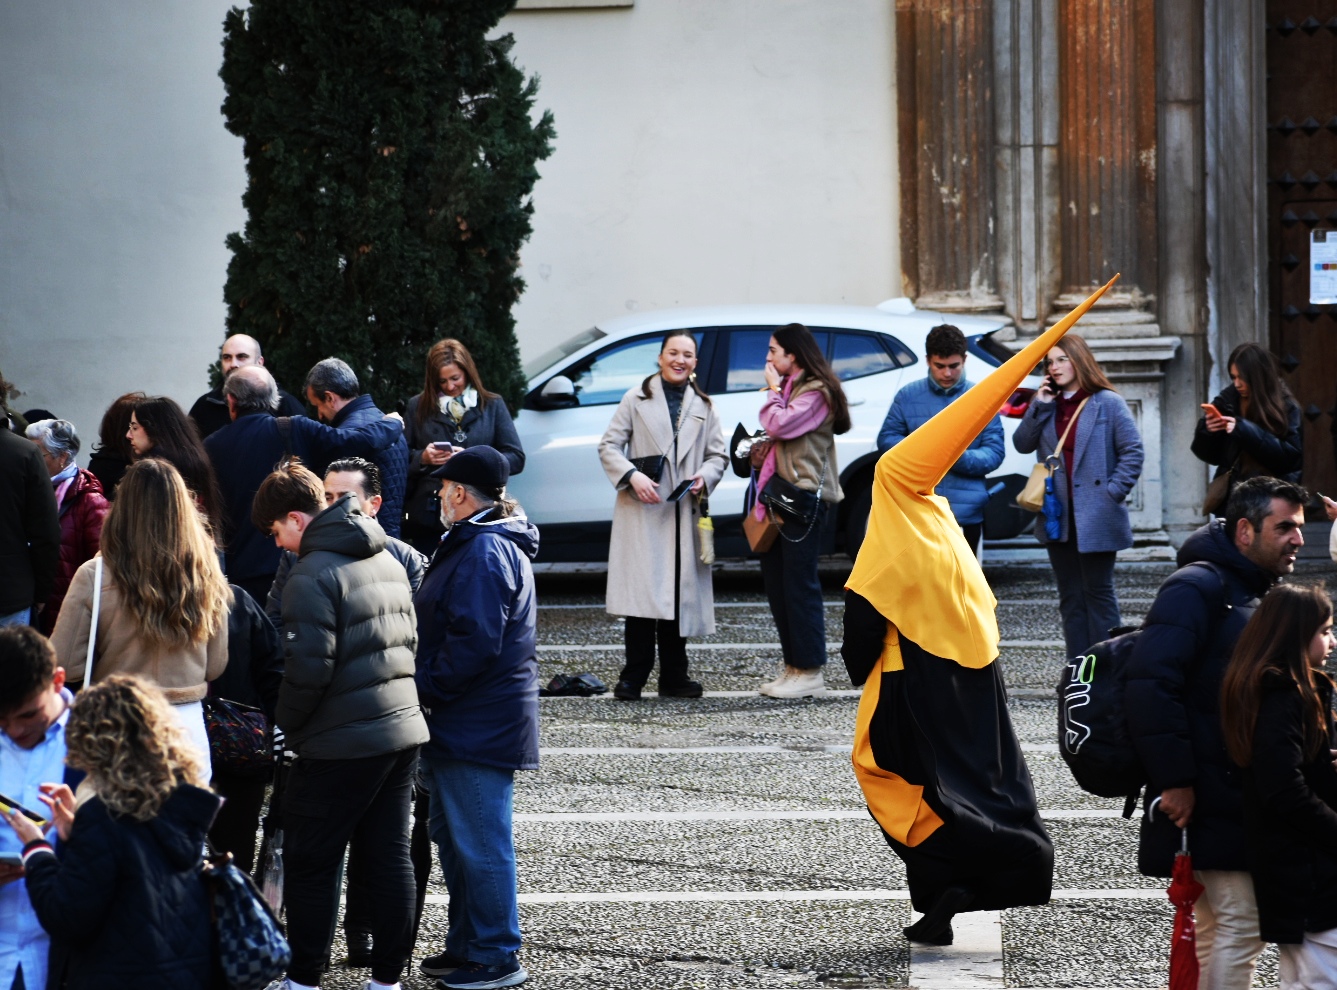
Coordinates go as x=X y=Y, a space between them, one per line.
x=652 y=467
x=238 y=738
x=790 y=501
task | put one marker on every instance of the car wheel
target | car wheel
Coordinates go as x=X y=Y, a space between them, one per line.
x=857 y=506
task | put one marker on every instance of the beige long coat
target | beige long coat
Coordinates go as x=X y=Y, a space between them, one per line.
x=640 y=557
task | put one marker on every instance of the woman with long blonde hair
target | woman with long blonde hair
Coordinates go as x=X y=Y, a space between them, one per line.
x=124 y=904
x=1081 y=426
x=453 y=411
x=164 y=601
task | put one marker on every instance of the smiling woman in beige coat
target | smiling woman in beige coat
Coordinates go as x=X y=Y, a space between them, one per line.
x=655 y=575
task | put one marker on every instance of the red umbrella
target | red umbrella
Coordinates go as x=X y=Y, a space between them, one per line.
x=1184 y=892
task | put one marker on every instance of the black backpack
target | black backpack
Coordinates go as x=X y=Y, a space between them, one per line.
x=1092 y=727
x=1093 y=734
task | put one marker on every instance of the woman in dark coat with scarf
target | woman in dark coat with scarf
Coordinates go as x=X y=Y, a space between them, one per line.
x=1276 y=710
x=452 y=412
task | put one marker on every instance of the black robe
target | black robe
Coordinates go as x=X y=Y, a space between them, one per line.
x=945 y=728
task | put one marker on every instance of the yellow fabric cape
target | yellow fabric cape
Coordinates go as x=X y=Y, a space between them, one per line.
x=915 y=567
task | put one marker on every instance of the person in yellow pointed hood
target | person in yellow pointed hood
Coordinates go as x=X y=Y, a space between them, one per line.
x=934 y=748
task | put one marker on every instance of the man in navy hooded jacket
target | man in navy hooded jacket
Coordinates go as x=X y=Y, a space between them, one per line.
x=477 y=678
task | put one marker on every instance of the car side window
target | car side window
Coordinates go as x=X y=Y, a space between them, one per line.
x=747 y=357
x=605 y=377
x=858 y=354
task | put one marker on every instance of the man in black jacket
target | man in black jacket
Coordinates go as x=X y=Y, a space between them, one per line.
x=349 y=709
x=1174 y=713
x=210 y=411
x=29 y=528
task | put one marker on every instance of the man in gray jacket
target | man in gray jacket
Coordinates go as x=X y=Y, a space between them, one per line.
x=349 y=709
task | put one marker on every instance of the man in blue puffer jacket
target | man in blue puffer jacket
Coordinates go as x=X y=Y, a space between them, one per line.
x=915 y=404
x=478 y=679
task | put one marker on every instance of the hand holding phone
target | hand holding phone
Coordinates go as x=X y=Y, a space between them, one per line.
x=683 y=488
x=1211 y=411
x=443 y=445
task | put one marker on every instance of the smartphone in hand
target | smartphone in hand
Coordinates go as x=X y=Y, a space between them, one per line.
x=1211 y=410
x=8 y=804
x=683 y=488
x=442 y=445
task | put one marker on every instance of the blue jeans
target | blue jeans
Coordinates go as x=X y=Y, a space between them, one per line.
x=794 y=591
x=22 y=618
x=471 y=826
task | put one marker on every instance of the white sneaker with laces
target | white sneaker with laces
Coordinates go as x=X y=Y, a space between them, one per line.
x=780 y=678
x=797 y=683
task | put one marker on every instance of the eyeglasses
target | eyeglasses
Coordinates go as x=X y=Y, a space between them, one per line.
x=1061 y=359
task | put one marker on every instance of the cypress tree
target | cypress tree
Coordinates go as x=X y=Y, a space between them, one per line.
x=390 y=155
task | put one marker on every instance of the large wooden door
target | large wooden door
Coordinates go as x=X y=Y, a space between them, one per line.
x=1302 y=218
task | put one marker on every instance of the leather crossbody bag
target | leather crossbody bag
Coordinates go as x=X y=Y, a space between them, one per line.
x=1032 y=497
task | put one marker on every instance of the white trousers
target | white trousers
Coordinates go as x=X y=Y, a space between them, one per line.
x=1312 y=965
x=1227 y=920
x=191 y=717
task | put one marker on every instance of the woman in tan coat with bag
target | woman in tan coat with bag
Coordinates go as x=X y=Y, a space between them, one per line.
x=155 y=602
x=663 y=434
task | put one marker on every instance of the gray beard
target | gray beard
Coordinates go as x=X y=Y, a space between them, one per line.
x=447 y=516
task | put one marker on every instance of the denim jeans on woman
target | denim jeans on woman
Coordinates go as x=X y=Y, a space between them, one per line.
x=789 y=573
x=471 y=826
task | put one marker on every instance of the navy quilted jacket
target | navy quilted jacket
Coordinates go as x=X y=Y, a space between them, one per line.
x=125 y=904
x=393 y=462
x=963 y=486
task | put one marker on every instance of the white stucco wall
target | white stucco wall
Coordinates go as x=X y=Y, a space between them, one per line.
x=710 y=151
x=118 y=184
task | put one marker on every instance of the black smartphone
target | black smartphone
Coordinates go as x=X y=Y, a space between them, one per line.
x=8 y=804
x=683 y=488
x=1051 y=384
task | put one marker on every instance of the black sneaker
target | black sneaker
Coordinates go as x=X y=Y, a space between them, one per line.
x=441 y=964
x=626 y=691
x=687 y=689
x=476 y=976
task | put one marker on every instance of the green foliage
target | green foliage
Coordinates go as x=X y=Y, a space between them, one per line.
x=391 y=153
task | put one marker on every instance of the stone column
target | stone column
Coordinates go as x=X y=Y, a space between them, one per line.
x=945 y=109
x=1186 y=246
x=1107 y=158
x=1026 y=115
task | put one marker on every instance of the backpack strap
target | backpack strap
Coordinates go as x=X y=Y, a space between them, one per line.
x=284 y=423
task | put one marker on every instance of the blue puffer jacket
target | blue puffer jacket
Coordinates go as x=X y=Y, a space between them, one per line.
x=124 y=904
x=478 y=643
x=963 y=487
x=393 y=462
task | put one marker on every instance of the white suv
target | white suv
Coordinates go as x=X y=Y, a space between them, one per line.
x=574 y=387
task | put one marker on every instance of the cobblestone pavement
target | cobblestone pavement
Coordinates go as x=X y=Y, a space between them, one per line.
x=723 y=842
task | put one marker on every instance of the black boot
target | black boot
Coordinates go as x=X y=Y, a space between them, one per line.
x=935 y=928
x=626 y=691
x=359 y=948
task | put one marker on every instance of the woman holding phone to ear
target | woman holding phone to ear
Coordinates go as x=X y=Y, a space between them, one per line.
x=664 y=434
x=1252 y=428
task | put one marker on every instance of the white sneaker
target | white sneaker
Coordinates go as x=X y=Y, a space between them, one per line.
x=780 y=678
x=796 y=683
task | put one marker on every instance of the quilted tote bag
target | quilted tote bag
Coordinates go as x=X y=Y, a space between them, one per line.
x=248 y=944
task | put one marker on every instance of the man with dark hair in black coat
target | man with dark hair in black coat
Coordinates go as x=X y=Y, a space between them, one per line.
x=1174 y=713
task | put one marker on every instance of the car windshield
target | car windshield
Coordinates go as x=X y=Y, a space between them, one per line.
x=548 y=358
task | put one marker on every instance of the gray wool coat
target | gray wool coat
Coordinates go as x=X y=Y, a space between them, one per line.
x=1106 y=464
x=640 y=557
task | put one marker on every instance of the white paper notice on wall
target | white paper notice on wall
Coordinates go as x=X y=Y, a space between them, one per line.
x=1323 y=268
